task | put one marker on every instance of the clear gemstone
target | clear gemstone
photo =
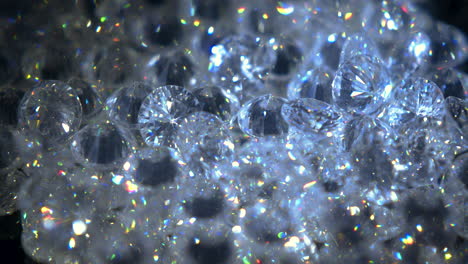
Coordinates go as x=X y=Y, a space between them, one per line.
x=361 y=84
x=259 y=167
x=416 y=98
x=417 y=48
x=289 y=56
x=217 y=101
x=160 y=113
x=200 y=198
x=264 y=220
x=111 y=66
x=154 y=167
x=459 y=169
x=11 y=184
x=372 y=145
x=326 y=49
x=455 y=193
x=315 y=84
x=172 y=68
x=197 y=243
x=124 y=104
x=448 y=81
x=389 y=22
x=90 y=99
x=311 y=116
x=102 y=145
x=267 y=18
x=334 y=169
x=449 y=46
x=202 y=138
x=206 y=38
x=358 y=44
x=261 y=116
x=200 y=221
x=53 y=206
x=164 y=31
x=118 y=243
x=458 y=108
x=410 y=56
x=53 y=110
x=429 y=148
x=240 y=63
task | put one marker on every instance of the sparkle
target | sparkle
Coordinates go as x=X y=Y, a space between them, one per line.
x=398 y=255
x=46 y=210
x=117 y=179
x=282 y=235
x=348 y=16
x=292 y=242
x=284 y=8
x=66 y=127
x=236 y=229
x=309 y=184
x=407 y=240
x=72 y=243
x=242 y=213
x=126 y=166
x=210 y=30
x=354 y=210
x=79 y=227
x=131 y=187
x=419 y=228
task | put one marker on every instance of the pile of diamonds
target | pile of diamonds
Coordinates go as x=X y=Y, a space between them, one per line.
x=205 y=132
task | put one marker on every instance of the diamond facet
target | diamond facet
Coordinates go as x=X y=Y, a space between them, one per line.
x=361 y=84
x=53 y=110
x=160 y=113
x=261 y=116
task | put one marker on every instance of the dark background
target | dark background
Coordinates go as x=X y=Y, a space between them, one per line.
x=454 y=12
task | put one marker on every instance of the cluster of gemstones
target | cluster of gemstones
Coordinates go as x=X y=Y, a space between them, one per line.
x=211 y=132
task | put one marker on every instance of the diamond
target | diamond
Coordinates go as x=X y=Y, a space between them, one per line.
x=160 y=113
x=358 y=44
x=90 y=99
x=202 y=138
x=217 y=101
x=102 y=144
x=361 y=84
x=315 y=84
x=240 y=63
x=172 y=68
x=124 y=104
x=261 y=116
x=416 y=98
x=153 y=167
x=311 y=116
x=53 y=110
